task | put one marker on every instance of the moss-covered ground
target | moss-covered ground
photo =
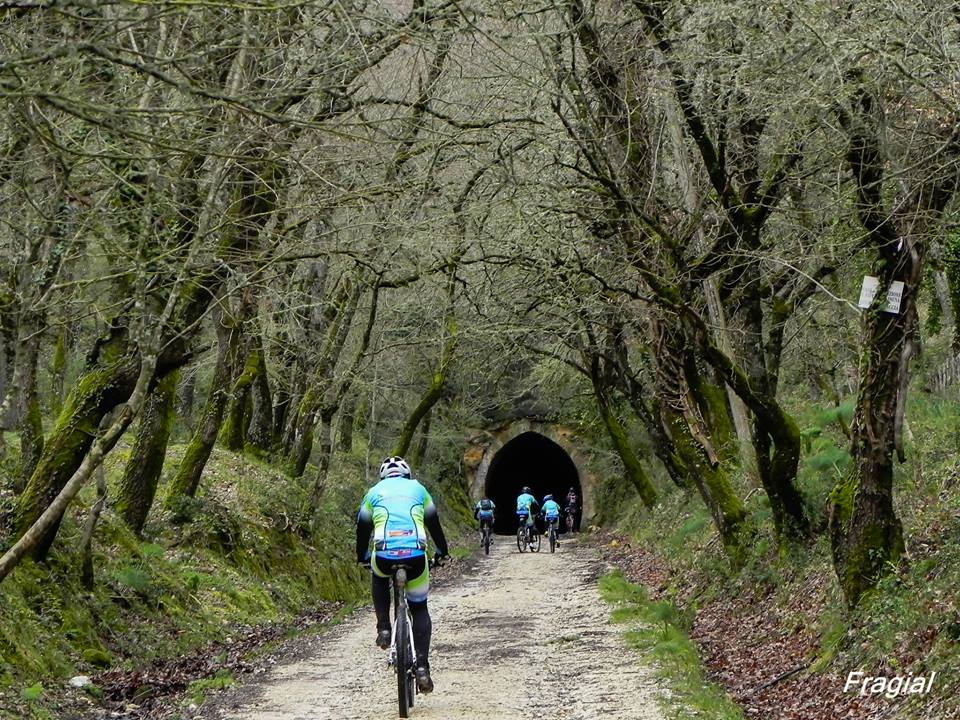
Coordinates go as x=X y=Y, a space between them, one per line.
x=237 y=556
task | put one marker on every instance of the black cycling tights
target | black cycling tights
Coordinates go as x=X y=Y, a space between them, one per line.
x=422 y=625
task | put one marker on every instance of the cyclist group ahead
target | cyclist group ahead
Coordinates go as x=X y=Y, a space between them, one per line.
x=528 y=510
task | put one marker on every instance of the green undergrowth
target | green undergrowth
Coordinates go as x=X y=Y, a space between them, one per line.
x=908 y=625
x=660 y=632
x=236 y=556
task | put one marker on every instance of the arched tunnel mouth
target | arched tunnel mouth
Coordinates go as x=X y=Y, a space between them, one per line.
x=529 y=459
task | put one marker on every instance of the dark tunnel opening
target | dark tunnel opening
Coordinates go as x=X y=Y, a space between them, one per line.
x=534 y=460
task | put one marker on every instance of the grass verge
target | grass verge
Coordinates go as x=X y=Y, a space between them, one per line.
x=659 y=631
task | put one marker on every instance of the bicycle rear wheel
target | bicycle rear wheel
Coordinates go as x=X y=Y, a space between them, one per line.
x=553 y=540
x=403 y=662
x=535 y=542
x=521 y=539
x=486 y=541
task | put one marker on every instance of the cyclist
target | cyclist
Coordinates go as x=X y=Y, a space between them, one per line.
x=527 y=507
x=573 y=505
x=551 y=514
x=397 y=512
x=484 y=511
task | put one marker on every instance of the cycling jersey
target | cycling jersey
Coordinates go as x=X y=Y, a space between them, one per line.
x=398 y=508
x=551 y=510
x=525 y=501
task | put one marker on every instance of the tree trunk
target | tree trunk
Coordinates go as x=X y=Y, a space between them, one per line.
x=865 y=532
x=324 y=452
x=36 y=536
x=186 y=396
x=427 y=401
x=138 y=486
x=302 y=441
x=684 y=424
x=420 y=449
x=186 y=480
x=240 y=405
x=260 y=432
x=941 y=286
x=348 y=413
x=634 y=469
x=101 y=388
x=58 y=368
x=29 y=415
x=89 y=527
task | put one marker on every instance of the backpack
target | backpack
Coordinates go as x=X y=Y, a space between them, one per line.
x=485 y=504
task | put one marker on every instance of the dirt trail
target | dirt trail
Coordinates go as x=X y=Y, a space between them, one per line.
x=520 y=636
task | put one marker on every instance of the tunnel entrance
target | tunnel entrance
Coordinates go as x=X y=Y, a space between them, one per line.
x=529 y=459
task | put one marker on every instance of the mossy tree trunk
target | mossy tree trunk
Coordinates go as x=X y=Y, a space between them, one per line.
x=419 y=455
x=434 y=390
x=186 y=479
x=58 y=369
x=634 y=469
x=865 y=533
x=240 y=405
x=75 y=430
x=260 y=431
x=324 y=455
x=725 y=507
x=348 y=418
x=108 y=381
x=29 y=414
x=313 y=406
x=138 y=485
x=687 y=426
x=89 y=528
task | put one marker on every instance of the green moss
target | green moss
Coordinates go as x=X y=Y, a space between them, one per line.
x=97 y=658
x=842 y=497
x=198 y=690
x=659 y=630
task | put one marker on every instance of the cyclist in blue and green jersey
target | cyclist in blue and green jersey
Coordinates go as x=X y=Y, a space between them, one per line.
x=551 y=512
x=396 y=513
x=527 y=507
x=484 y=511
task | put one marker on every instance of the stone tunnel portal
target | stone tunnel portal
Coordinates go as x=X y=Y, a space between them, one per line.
x=529 y=459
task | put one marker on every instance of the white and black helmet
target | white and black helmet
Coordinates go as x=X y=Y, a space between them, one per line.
x=394 y=466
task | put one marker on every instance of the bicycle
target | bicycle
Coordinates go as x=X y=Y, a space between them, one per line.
x=522 y=536
x=552 y=534
x=571 y=511
x=485 y=537
x=527 y=536
x=403 y=653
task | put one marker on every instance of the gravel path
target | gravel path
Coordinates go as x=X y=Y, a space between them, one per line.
x=520 y=636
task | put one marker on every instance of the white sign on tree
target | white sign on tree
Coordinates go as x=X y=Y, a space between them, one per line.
x=868 y=291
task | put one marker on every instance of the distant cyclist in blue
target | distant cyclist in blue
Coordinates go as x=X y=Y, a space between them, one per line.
x=527 y=507
x=551 y=512
x=485 y=512
x=396 y=513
